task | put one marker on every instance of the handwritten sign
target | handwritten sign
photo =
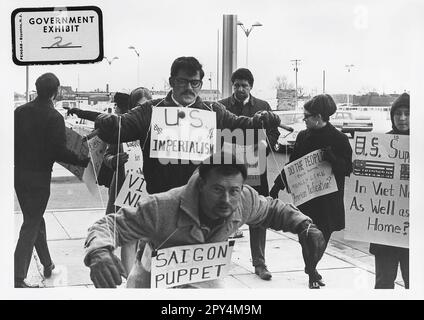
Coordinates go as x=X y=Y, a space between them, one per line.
x=309 y=177
x=182 y=133
x=176 y=266
x=133 y=189
x=254 y=160
x=57 y=35
x=74 y=143
x=377 y=193
x=135 y=157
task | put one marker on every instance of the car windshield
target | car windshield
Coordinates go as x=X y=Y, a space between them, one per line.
x=290 y=118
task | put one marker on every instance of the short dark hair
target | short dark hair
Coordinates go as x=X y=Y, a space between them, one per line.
x=219 y=161
x=47 y=85
x=242 y=74
x=322 y=104
x=189 y=64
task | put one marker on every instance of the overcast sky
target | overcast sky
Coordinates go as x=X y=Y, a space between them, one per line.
x=374 y=36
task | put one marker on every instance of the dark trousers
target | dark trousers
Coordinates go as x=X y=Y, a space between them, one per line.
x=386 y=267
x=327 y=235
x=33 y=192
x=258 y=235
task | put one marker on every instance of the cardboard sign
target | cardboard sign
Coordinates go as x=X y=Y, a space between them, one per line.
x=309 y=177
x=176 y=266
x=377 y=193
x=252 y=159
x=133 y=189
x=74 y=143
x=57 y=35
x=182 y=133
x=97 y=150
x=135 y=157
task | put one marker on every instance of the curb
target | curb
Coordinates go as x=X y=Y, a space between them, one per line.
x=65 y=179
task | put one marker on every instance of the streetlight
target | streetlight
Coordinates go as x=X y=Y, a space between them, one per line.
x=138 y=63
x=247 y=32
x=348 y=67
x=110 y=64
x=296 y=69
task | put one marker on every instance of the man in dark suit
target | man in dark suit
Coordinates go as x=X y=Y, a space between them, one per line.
x=39 y=141
x=242 y=103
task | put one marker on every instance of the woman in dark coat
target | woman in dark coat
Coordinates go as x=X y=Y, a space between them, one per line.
x=387 y=258
x=326 y=211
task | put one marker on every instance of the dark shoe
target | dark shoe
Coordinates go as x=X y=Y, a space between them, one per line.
x=314 y=285
x=24 y=284
x=317 y=278
x=48 y=270
x=263 y=272
x=237 y=234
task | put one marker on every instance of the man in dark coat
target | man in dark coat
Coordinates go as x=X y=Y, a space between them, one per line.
x=242 y=103
x=186 y=82
x=387 y=258
x=39 y=141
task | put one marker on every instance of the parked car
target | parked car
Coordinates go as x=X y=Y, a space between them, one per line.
x=348 y=123
x=287 y=139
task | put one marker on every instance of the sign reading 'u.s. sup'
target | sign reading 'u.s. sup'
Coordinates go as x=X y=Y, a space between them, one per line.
x=57 y=35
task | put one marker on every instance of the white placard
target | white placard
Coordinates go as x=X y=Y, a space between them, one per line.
x=176 y=266
x=309 y=177
x=57 y=35
x=74 y=142
x=133 y=189
x=182 y=133
x=377 y=193
x=135 y=157
x=97 y=149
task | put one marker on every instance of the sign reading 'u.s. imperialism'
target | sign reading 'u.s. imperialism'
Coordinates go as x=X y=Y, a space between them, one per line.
x=377 y=193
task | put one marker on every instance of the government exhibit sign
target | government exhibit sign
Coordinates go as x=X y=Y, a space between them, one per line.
x=377 y=193
x=57 y=35
x=182 y=133
x=177 y=266
x=309 y=177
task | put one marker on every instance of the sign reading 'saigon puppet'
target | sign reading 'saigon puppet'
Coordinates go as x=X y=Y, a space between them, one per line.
x=377 y=193
x=176 y=266
x=57 y=35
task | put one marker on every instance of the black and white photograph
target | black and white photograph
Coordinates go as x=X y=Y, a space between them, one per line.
x=258 y=148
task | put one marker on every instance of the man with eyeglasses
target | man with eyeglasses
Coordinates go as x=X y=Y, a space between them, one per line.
x=242 y=103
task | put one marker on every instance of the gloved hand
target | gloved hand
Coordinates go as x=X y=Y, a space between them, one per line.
x=73 y=111
x=105 y=269
x=122 y=158
x=313 y=245
x=329 y=155
x=266 y=119
x=274 y=191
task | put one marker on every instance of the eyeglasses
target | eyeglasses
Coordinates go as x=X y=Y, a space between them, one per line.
x=181 y=82
x=306 y=116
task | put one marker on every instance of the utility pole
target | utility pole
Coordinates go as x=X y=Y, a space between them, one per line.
x=217 y=67
x=296 y=61
x=323 y=81
x=27 y=83
x=349 y=67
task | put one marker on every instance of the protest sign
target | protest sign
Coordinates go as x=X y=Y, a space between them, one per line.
x=133 y=189
x=176 y=266
x=251 y=159
x=135 y=157
x=309 y=177
x=97 y=150
x=182 y=133
x=75 y=143
x=377 y=193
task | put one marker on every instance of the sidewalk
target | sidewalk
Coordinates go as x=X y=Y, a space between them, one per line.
x=343 y=266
